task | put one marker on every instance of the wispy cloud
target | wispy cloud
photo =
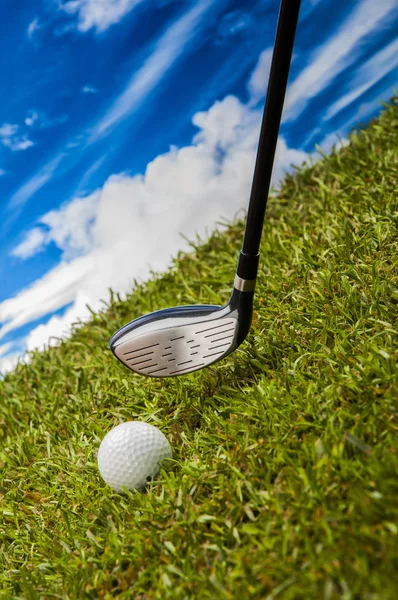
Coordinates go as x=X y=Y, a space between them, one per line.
x=233 y=23
x=367 y=109
x=89 y=89
x=367 y=75
x=5 y=348
x=35 y=183
x=98 y=14
x=40 y=120
x=32 y=27
x=56 y=289
x=257 y=85
x=167 y=51
x=33 y=243
x=94 y=168
x=338 y=53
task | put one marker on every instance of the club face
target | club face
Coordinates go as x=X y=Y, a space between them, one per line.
x=177 y=341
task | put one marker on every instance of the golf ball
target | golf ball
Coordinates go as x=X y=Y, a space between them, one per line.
x=131 y=454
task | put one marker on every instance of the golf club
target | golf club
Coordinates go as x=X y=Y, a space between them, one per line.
x=179 y=340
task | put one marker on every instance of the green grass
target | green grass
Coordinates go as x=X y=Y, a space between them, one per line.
x=284 y=483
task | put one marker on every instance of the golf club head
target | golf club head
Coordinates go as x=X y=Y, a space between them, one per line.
x=180 y=340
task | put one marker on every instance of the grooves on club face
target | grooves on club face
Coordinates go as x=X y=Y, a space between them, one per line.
x=184 y=339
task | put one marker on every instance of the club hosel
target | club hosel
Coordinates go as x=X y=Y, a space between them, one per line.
x=243 y=292
x=242 y=303
x=247 y=266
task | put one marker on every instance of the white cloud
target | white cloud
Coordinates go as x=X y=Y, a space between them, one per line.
x=33 y=26
x=10 y=139
x=32 y=244
x=257 y=85
x=338 y=53
x=219 y=125
x=7 y=130
x=17 y=144
x=89 y=89
x=70 y=227
x=9 y=358
x=2 y=172
x=134 y=224
x=32 y=118
x=8 y=363
x=58 y=328
x=98 y=14
x=167 y=50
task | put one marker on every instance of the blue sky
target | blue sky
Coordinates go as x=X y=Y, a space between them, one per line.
x=112 y=117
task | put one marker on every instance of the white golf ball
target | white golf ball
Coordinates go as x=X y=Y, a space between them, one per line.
x=131 y=454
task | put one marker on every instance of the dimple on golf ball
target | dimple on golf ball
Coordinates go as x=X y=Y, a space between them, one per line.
x=131 y=454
